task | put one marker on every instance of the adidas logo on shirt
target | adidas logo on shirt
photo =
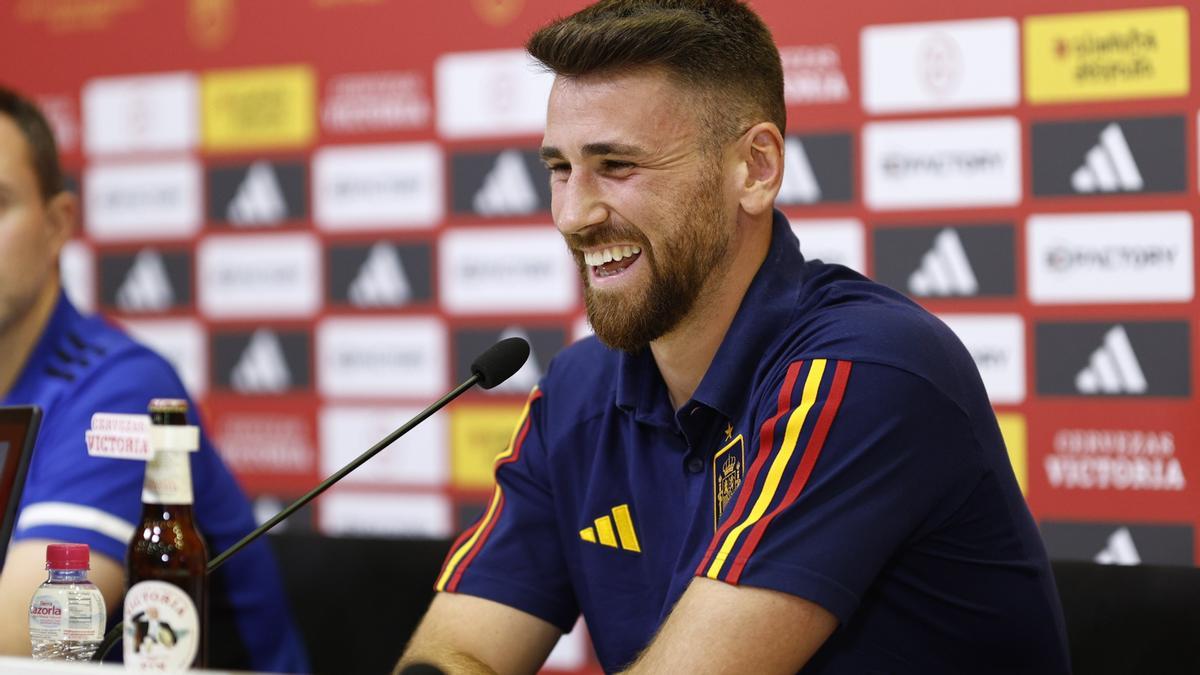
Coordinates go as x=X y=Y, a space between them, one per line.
x=381 y=281
x=507 y=189
x=1120 y=550
x=1113 y=368
x=799 y=185
x=262 y=367
x=945 y=269
x=1109 y=166
x=259 y=199
x=146 y=287
x=603 y=532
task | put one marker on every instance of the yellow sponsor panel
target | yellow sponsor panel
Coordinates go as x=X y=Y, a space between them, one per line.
x=1106 y=55
x=477 y=434
x=257 y=108
x=1012 y=427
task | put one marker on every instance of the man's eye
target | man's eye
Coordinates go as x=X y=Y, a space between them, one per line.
x=558 y=169
x=617 y=165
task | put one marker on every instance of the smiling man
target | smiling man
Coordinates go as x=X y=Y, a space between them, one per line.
x=759 y=464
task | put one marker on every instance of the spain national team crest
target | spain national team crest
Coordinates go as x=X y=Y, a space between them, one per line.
x=729 y=465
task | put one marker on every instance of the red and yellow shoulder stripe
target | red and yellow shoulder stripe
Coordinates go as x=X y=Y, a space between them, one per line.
x=468 y=544
x=778 y=474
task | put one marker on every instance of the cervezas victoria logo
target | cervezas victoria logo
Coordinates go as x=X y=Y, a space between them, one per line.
x=1115 y=459
x=812 y=74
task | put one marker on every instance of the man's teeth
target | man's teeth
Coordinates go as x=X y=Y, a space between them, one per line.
x=607 y=255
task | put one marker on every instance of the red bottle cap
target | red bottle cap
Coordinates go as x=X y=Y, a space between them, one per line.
x=68 y=557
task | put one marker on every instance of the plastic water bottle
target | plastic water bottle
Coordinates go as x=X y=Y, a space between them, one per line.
x=66 y=614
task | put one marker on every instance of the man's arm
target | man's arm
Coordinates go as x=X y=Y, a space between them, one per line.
x=719 y=628
x=24 y=571
x=466 y=634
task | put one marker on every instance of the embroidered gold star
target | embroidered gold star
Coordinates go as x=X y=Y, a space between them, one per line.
x=729 y=432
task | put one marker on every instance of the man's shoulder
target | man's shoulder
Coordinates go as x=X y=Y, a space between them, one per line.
x=848 y=317
x=92 y=354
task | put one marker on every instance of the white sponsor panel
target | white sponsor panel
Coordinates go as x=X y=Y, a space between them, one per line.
x=940 y=65
x=273 y=275
x=137 y=201
x=142 y=113
x=380 y=514
x=504 y=270
x=813 y=74
x=383 y=101
x=1140 y=460
x=417 y=458
x=492 y=93
x=265 y=442
x=77 y=265
x=997 y=344
x=62 y=114
x=942 y=164
x=833 y=240
x=378 y=186
x=182 y=343
x=369 y=357
x=1111 y=257
x=580 y=328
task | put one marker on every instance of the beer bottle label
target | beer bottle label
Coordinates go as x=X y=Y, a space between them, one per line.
x=162 y=627
x=168 y=479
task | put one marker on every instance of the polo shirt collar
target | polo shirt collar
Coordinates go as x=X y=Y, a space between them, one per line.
x=767 y=306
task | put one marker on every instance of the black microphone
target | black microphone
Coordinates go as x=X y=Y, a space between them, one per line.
x=500 y=362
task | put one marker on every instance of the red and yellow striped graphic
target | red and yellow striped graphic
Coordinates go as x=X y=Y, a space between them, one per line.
x=747 y=528
x=468 y=544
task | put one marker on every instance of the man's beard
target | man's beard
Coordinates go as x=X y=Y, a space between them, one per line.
x=689 y=257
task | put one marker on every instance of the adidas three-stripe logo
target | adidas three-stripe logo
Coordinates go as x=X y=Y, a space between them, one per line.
x=945 y=269
x=622 y=536
x=1109 y=166
x=1113 y=368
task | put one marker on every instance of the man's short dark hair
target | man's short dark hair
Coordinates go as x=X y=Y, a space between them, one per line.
x=719 y=48
x=43 y=152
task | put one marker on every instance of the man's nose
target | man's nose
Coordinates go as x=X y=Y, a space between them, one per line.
x=577 y=203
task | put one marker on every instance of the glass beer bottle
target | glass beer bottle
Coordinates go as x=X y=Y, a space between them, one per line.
x=166 y=598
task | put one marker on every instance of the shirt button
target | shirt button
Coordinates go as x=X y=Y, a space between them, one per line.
x=695 y=465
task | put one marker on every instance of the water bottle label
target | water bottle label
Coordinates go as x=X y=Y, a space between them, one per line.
x=162 y=627
x=66 y=614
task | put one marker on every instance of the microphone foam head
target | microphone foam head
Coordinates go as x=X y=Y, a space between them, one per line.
x=500 y=361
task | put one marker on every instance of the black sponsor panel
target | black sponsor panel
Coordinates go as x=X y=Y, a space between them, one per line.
x=258 y=194
x=1131 y=358
x=1119 y=543
x=497 y=184
x=380 y=274
x=544 y=343
x=1145 y=154
x=933 y=261
x=829 y=157
x=147 y=281
x=263 y=361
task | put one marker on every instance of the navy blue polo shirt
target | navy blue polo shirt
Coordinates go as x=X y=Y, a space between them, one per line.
x=840 y=448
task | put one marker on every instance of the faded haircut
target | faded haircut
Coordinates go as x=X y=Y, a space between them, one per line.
x=718 y=48
x=43 y=152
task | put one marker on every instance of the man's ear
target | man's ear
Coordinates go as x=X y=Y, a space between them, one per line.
x=62 y=212
x=761 y=156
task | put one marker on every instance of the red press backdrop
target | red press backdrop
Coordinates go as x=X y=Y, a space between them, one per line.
x=320 y=210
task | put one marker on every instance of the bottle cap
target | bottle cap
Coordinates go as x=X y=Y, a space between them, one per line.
x=68 y=557
x=168 y=405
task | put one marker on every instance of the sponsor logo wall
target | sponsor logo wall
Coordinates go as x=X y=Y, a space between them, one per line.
x=320 y=249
